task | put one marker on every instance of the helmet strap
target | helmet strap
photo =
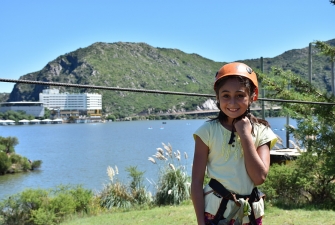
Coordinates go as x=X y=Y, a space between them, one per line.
x=232 y=135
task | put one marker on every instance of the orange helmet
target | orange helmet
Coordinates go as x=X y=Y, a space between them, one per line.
x=238 y=69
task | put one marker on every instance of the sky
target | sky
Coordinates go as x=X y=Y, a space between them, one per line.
x=33 y=33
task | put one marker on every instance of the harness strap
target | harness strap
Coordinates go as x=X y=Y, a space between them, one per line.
x=227 y=195
x=221 y=190
x=219 y=214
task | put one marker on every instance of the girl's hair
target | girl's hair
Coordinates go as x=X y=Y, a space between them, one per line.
x=222 y=117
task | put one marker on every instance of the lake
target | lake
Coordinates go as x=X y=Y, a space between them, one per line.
x=80 y=153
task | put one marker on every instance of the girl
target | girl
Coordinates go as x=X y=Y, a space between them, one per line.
x=234 y=148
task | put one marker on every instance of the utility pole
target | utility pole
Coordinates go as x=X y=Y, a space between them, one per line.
x=287 y=124
x=263 y=91
x=310 y=62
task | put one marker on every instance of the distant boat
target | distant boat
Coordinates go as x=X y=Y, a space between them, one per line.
x=150 y=128
x=162 y=128
x=163 y=122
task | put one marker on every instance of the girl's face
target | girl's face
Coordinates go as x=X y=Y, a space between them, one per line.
x=233 y=97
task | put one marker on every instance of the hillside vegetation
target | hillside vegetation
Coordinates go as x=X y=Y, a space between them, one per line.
x=141 y=66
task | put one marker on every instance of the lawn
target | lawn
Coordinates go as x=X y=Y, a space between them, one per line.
x=184 y=215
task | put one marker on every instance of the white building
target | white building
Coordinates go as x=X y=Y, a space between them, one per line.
x=85 y=102
x=31 y=108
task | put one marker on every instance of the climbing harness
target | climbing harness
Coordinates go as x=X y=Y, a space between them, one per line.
x=226 y=195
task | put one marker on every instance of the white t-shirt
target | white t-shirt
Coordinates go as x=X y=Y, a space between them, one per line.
x=226 y=161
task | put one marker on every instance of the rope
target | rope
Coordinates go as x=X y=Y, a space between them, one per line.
x=147 y=91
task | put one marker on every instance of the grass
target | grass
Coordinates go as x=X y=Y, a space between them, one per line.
x=184 y=215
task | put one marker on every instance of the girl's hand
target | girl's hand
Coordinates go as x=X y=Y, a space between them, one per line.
x=243 y=126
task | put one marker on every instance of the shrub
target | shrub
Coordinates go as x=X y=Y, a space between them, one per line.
x=318 y=183
x=173 y=185
x=280 y=185
x=119 y=195
x=140 y=194
x=5 y=163
x=77 y=199
x=111 y=117
x=36 y=164
x=173 y=188
x=93 y=207
x=43 y=216
x=115 y=195
x=25 y=164
x=82 y=197
x=15 y=158
x=296 y=184
x=32 y=207
x=61 y=205
x=18 y=208
x=9 y=143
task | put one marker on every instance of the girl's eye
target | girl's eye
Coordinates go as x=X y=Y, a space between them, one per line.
x=240 y=96
x=225 y=96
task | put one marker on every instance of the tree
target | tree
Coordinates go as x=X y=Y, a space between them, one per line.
x=9 y=143
x=329 y=51
x=47 y=113
x=5 y=163
x=332 y=2
x=313 y=173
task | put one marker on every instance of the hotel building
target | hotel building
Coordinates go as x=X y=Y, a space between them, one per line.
x=72 y=104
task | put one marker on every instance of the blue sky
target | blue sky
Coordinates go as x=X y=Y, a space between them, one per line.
x=33 y=33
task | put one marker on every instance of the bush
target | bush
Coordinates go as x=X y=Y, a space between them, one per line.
x=37 y=207
x=15 y=158
x=115 y=195
x=280 y=185
x=25 y=164
x=137 y=188
x=5 y=163
x=43 y=216
x=173 y=185
x=118 y=195
x=61 y=205
x=18 y=208
x=317 y=183
x=173 y=188
x=296 y=184
x=82 y=198
x=36 y=164
x=111 y=117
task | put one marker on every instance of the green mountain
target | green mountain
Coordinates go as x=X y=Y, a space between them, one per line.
x=296 y=60
x=141 y=66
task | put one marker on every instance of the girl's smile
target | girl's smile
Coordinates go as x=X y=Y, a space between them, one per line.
x=234 y=98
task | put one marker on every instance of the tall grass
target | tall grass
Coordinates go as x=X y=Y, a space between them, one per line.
x=173 y=186
x=117 y=194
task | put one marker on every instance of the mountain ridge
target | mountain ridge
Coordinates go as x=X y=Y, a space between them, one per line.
x=141 y=66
